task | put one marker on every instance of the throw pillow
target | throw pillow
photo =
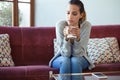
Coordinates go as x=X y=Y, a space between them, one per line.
x=103 y=50
x=5 y=51
x=55 y=45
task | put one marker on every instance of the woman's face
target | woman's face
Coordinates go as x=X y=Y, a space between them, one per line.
x=73 y=15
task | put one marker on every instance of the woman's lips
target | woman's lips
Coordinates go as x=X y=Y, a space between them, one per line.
x=70 y=21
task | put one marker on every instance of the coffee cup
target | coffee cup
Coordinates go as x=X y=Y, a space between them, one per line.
x=70 y=35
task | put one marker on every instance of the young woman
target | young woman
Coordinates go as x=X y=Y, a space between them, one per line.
x=72 y=36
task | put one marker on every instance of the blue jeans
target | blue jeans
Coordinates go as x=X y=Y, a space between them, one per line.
x=70 y=65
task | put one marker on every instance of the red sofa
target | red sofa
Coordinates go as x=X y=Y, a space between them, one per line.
x=32 y=49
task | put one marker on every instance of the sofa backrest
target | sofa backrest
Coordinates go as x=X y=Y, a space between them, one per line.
x=30 y=46
x=101 y=31
x=34 y=46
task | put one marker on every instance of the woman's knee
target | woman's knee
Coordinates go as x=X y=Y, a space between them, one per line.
x=65 y=60
x=75 y=60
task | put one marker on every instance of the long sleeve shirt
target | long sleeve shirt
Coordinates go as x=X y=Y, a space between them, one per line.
x=79 y=48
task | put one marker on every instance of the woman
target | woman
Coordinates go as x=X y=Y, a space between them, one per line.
x=72 y=56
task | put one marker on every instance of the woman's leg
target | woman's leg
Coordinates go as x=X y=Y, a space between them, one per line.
x=63 y=63
x=77 y=65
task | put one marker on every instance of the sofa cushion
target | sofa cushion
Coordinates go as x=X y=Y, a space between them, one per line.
x=55 y=45
x=31 y=72
x=103 y=50
x=5 y=51
x=105 y=68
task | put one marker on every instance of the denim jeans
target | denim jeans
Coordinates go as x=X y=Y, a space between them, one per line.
x=70 y=65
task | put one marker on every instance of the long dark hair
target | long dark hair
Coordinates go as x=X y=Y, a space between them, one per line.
x=81 y=7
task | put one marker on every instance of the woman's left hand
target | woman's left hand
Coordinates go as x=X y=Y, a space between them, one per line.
x=76 y=32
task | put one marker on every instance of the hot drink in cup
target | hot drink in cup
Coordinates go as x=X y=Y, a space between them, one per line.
x=70 y=34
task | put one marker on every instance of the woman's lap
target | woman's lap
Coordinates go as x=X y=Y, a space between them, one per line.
x=70 y=62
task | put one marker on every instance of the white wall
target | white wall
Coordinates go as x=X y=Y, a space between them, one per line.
x=99 y=12
x=103 y=12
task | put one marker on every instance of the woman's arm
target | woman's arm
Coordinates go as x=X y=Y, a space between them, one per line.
x=64 y=47
x=79 y=47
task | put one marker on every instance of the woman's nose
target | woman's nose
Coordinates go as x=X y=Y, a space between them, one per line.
x=70 y=16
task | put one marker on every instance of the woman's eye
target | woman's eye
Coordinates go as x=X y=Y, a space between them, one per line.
x=68 y=12
x=74 y=14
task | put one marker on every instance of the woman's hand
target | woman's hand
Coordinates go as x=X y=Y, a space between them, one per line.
x=65 y=32
x=76 y=32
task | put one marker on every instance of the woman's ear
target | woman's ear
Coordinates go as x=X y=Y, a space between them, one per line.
x=81 y=15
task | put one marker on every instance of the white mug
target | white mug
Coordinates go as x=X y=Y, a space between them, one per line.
x=70 y=35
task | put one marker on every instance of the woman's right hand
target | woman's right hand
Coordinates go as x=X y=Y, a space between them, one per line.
x=66 y=32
